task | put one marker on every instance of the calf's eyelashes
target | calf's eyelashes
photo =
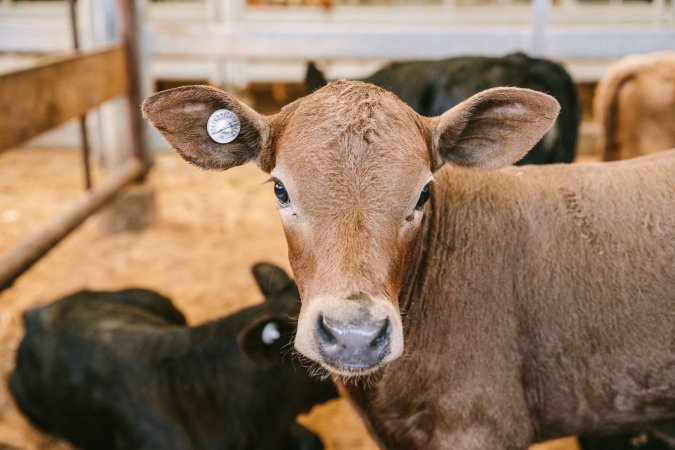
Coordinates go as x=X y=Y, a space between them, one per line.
x=424 y=196
x=281 y=193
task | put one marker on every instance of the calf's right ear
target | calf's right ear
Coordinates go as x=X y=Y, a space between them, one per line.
x=492 y=129
x=182 y=116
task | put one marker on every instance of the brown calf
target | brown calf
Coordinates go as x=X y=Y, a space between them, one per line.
x=635 y=105
x=536 y=301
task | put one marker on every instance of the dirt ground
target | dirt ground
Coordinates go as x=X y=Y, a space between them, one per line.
x=211 y=228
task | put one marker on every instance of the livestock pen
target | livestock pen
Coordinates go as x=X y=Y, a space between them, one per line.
x=211 y=227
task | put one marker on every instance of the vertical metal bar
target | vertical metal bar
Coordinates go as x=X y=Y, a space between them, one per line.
x=129 y=32
x=541 y=10
x=659 y=8
x=84 y=136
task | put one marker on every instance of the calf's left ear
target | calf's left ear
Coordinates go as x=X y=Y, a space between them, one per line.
x=208 y=127
x=492 y=129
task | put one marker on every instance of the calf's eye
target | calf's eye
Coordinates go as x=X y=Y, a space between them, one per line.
x=280 y=192
x=424 y=197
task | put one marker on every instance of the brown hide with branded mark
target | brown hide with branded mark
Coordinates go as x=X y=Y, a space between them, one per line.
x=635 y=105
x=535 y=301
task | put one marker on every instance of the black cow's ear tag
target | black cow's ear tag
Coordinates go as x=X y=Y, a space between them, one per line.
x=263 y=341
x=223 y=126
x=270 y=333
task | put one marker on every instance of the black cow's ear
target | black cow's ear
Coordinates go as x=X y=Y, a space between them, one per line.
x=271 y=279
x=209 y=127
x=314 y=78
x=265 y=341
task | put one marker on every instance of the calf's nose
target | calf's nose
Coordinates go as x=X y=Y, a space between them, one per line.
x=353 y=344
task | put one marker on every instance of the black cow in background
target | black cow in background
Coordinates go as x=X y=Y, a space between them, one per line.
x=121 y=370
x=433 y=87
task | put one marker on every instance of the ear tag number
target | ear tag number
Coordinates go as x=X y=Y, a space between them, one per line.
x=223 y=126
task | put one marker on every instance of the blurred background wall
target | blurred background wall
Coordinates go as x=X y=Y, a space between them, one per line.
x=260 y=48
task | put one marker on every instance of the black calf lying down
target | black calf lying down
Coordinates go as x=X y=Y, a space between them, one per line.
x=657 y=438
x=121 y=370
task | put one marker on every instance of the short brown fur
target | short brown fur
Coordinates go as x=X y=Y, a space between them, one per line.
x=540 y=304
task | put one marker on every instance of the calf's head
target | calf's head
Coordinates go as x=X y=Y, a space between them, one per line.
x=352 y=168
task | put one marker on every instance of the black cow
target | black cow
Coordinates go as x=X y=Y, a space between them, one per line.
x=121 y=370
x=433 y=87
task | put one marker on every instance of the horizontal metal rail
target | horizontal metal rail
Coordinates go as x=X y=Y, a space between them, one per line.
x=398 y=42
x=17 y=260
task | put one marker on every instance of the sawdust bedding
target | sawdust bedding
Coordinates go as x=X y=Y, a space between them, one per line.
x=211 y=228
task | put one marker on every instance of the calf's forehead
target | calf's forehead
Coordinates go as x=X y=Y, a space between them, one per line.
x=347 y=129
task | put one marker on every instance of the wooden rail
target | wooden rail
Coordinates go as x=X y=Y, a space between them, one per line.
x=41 y=97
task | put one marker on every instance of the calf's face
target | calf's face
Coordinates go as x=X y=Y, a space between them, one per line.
x=352 y=168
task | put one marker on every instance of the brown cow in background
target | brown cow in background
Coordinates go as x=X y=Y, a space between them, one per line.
x=635 y=105
x=464 y=304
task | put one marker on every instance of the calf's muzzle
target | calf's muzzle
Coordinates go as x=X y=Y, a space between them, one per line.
x=349 y=337
x=353 y=344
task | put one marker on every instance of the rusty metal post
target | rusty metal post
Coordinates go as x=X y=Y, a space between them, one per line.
x=84 y=136
x=129 y=12
x=134 y=207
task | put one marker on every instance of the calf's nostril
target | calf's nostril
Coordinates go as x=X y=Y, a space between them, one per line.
x=324 y=332
x=383 y=336
x=364 y=332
